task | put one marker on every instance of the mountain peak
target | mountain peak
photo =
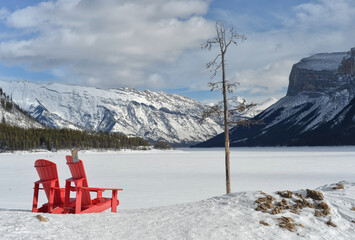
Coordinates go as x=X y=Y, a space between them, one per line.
x=319 y=73
x=319 y=108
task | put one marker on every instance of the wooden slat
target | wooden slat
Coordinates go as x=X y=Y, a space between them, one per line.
x=47 y=170
x=77 y=170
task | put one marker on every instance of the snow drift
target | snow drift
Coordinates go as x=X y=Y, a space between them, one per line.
x=230 y=216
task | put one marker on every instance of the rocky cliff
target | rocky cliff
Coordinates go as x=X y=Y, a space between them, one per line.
x=317 y=110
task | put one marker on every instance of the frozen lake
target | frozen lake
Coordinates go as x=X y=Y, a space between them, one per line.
x=156 y=178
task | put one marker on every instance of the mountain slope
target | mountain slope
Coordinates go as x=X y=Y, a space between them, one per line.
x=12 y=115
x=319 y=108
x=151 y=115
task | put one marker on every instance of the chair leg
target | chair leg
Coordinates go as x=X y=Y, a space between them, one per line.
x=114 y=201
x=67 y=196
x=78 y=198
x=51 y=197
x=99 y=194
x=35 y=198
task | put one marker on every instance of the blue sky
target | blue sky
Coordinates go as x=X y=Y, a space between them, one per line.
x=156 y=45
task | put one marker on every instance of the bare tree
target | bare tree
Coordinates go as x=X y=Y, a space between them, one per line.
x=225 y=36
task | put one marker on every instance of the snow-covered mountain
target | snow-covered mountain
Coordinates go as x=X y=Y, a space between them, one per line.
x=152 y=115
x=255 y=110
x=319 y=108
x=12 y=115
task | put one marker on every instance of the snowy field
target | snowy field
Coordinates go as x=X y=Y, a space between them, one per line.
x=193 y=179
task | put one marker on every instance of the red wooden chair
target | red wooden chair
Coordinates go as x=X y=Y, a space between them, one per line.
x=83 y=202
x=48 y=176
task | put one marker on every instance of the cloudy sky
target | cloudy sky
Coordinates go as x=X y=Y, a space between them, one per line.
x=155 y=44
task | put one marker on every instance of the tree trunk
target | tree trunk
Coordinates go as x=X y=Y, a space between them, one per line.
x=226 y=127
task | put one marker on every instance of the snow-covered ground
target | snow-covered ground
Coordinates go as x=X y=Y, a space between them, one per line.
x=179 y=194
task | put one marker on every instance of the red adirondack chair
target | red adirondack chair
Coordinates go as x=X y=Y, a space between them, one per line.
x=48 y=176
x=83 y=202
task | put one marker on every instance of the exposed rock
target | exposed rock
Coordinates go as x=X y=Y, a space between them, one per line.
x=330 y=223
x=41 y=218
x=318 y=213
x=270 y=198
x=285 y=194
x=353 y=209
x=260 y=200
x=302 y=203
x=295 y=211
x=314 y=194
x=325 y=207
x=277 y=210
x=268 y=202
x=267 y=198
x=347 y=66
x=326 y=212
x=315 y=73
x=283 y=203
x=264 y=206
x=339 y=186
x=264 y=223
x=288 y=223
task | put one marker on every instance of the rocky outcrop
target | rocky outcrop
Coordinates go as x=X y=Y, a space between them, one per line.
x=347 y=66
x=318 y=73
x=319 y=108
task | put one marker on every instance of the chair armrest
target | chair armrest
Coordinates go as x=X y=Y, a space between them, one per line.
x=101 y=189
x=74 y=180
x=41 y=182
x=48 y=181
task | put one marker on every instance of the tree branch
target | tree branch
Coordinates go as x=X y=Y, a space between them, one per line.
x=210 y=111
x=213 y=62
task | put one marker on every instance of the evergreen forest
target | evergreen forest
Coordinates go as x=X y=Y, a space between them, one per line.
x=16 y=138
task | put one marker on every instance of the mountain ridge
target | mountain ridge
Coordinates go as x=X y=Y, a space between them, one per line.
x=152 y=115
x=155 y=116
x=320 y=97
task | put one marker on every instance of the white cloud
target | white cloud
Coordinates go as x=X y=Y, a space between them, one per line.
x=155 y=44
x=325 y=13
x=114 y=43
x=262 y=64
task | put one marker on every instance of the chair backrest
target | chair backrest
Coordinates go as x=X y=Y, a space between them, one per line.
x=77 y=171
x=47 y=170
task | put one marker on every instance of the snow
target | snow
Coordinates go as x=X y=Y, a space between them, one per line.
x=252 y=112
x=14 y=117
x=178 y=194
x=153 y=115
x=323 y=61
x=324 y=108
